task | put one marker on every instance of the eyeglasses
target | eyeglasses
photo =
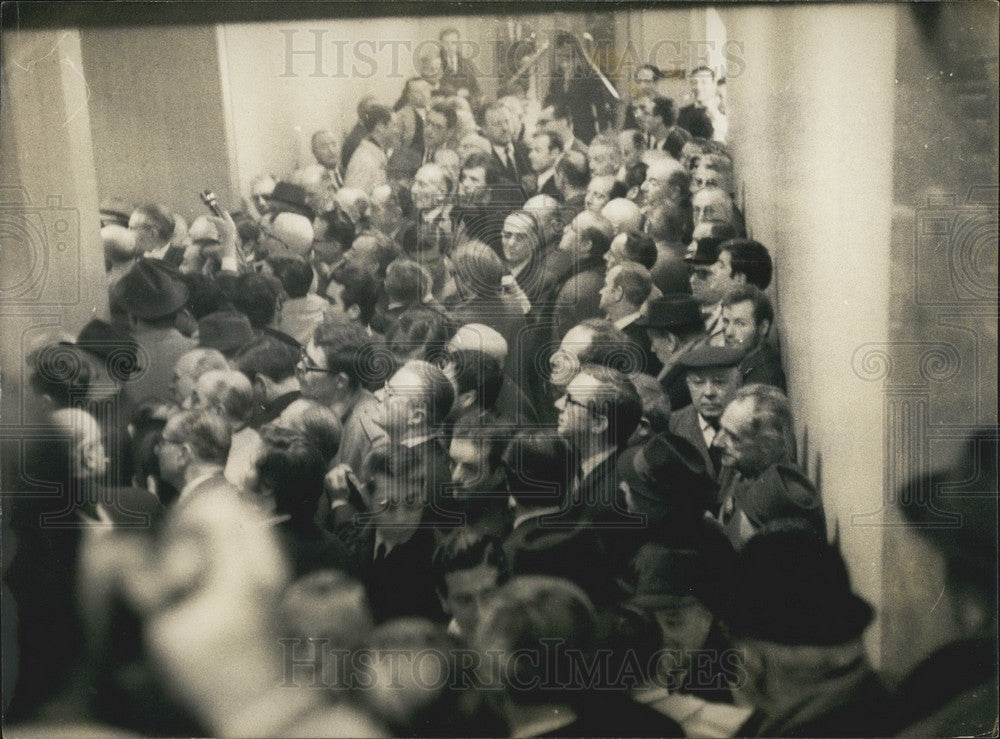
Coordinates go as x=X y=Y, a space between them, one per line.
x=306 y=365
x=570 y=400
x=163 y=440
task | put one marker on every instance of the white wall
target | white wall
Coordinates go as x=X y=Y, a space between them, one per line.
x=812 y=134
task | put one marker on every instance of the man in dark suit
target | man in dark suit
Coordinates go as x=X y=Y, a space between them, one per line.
x=510 y=156
x=458 y=75
x=597 y=414
x=540 y=472
x=675 y=327
x=485 y=199
x=712 y=377
x=154 y=227
x=586 y=239
x=626 y=288
x=543 y=154
x=576 y=88
x=747 y=317
x=392 y=547
x=413 y=404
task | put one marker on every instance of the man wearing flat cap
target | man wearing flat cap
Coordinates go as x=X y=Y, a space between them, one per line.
x=152 y=294
x=675 y=328
x=712 y=375
x=760 y=486
x=792 y=613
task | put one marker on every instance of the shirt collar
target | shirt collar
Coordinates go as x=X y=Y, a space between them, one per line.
x=192 y=484
x=628 y=320
x=593 y=462
x=536 y=513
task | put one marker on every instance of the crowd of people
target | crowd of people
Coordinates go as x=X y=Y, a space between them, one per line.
x=478 y=425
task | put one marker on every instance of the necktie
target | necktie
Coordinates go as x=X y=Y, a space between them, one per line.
x=715 y=452
x=511 y=162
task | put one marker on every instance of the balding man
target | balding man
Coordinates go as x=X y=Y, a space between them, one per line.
x=120 y=251
x=666 y=181
x=760 y=484
x=586 y=239
x=154 y=228
x=429 y=193
x=624 y=215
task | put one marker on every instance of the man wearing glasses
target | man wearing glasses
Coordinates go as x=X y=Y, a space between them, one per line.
x=192 y=453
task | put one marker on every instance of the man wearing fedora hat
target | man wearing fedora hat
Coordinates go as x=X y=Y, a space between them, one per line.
x=712 y=376
x=792 y=613
x=675 y=328
x=152 y=294
x=681 y=583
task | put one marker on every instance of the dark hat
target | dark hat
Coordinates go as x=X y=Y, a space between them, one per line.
x=666 y=477
x=955 y=510
x=677 y=312
x=712 y=356
x=152 y=289
x=792 y=587
x=781 y=493
x=706 y=251
x=285 y=193
x=700 y=566
x=112 y=346
x=225 y=330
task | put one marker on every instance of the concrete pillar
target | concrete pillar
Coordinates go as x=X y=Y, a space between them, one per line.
x=52 y=265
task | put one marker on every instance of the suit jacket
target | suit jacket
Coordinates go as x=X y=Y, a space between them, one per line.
x=550 y=189
x=573 y=552
x=579 y=297
x=402 y=584
x=763 y=365
x=522 y=165
x=587 y=99
x=685 y=423
x=215 y=485
x=651 y=364
x=463 y=77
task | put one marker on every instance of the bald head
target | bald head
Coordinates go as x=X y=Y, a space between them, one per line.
x=482 y=338
x=326 y=148
x=84 y=434
x=624 y=215
x=119 y=245
x=430 y=185
x=550 y=215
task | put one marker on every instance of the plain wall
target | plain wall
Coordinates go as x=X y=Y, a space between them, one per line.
x=156 y=108
x=813 y=149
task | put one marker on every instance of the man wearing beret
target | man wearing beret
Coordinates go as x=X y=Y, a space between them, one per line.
x=675 y=328
x=152 y=294
x=712 y=376
x=760 y=485
x=793 y=615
